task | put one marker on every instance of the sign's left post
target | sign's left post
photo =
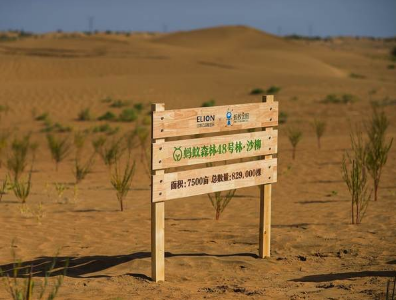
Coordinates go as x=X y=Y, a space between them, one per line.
x=157 y=213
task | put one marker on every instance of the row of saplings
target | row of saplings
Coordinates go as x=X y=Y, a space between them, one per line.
x=116 y=154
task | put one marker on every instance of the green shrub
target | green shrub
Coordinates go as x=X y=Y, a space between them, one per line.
x=294 y=135
x=105 y=128
x=107 y=116
x=272 y=90
x=209 y=103
x=21 y=188
x=128 y=115
x=17 y=159
x=59 y=148
x=119 y=103
x=82 y=169
x=283 y=117
x=320 y=128
x=220 y=201
x=43 y=117
x=84 y=115
x=107 y=100
x=354 y=175
x=138 y=106
x=357 y=76
x=377 y=148
x=344 y=99
x=121 y=181
x=110 y=151
x=391 y=67
x=256 y=91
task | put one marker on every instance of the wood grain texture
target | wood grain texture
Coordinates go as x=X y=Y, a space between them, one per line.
x=180 y=153
x=164 y=185
x=181 y=122
x=157 y=222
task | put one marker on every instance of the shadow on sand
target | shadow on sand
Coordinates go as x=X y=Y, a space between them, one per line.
x=80 y=267
x=344 y=276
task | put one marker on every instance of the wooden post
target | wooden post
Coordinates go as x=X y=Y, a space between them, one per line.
x=265 y=208
x=157 y=218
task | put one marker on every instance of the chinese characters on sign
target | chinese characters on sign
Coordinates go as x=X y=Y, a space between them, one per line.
x=211 y=150
x=215 y=178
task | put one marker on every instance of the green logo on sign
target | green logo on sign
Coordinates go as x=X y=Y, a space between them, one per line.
x=177 y=154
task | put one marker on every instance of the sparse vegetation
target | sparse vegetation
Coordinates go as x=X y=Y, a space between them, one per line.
x=119 y=103
x=272 y=90
x=344 y=99
x=143 y=134
x=294 y=135
x=17 y=159
x=60 y=189
x=128 y=115
x=22 y=187
x=393 y=53
x=82 y=169
x=354 y=175
x=320 y=128
x=105 y=128
x=4 y=187
x=28 y=289
x=391 y=67
x=79 y=140
x=357 y=76
x=209 y=103
x=109 y=151
x=84 y=115
x=121 y=181
x=377 y=147
x=138 y=106
x=257 y=91
x=220 y=200
x=107 y=116
x=283 y=117
x=4 y=136
x=59 y=148
x=43 y=117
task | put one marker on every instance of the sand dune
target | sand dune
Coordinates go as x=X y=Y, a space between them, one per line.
x=316 y=253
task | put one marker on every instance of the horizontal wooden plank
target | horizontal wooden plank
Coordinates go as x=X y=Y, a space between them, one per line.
x=211 y=149
x=180 y=122
x=213 y=179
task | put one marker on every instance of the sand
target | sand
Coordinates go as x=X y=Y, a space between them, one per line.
x=316 y=252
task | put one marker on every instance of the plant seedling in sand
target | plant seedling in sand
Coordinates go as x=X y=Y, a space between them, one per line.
x=122 y=181
x=22 y=187
x=84 y=115
x=130 y=140
x=320 y=128
x=355 y=176
x=4 y=136
x=17 y=160
x=79 y=140
x=4 y=187
x=59 y=147
x=220 y=201
x=60 y=189
x=294 y=136
x=377 y=147
x=29 y=289
x=143 y=134
x=81 y=170
x=110 y=151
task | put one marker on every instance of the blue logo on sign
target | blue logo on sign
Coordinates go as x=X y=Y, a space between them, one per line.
x=229 y=116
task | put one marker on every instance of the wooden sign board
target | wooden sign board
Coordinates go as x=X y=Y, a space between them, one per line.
x=180 y=122
x=211 y=149
x=261 y=170
x=214 y=179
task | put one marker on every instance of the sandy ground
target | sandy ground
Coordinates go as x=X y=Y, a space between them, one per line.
x=316 y=252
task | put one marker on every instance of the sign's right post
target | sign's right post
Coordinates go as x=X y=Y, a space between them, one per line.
x=265 y=207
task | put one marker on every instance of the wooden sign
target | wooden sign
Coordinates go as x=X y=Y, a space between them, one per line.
x=211 y=149
x=258 y=146
x=171 y=123
x=214 y=179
